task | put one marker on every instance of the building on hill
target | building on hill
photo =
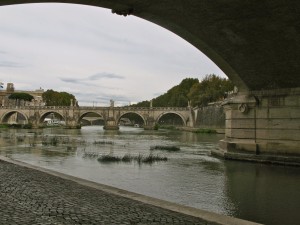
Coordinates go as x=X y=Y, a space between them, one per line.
x=10 y=89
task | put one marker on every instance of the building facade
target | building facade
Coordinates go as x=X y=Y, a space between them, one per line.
x=10 y=89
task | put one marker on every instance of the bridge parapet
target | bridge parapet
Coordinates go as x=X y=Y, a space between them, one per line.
x=99 y=108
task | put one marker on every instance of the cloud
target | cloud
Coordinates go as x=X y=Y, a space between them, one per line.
x=94 y=54
x=90 y=80
x=10 y=64
x=105 y=75
x=102 y=99
x=70 y=80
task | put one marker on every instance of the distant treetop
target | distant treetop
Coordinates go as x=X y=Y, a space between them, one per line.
x=21 y=96
x=54 y=98
x=212 y=88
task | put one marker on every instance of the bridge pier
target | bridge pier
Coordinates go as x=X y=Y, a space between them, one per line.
x=111 y=124
x=263 y=126
x=150 y=124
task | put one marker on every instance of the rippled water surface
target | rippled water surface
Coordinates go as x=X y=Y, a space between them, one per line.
x=262 y=193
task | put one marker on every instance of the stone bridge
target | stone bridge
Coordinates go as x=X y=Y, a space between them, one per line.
x=35 y=115
x=257 y=45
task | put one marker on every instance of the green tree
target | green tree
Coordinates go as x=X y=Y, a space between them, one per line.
x=176 y=96
x=212 y=88
x=54 y=98
x=21 y=96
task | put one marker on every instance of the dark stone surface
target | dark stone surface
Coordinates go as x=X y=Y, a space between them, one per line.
x=212 y=117
x=31 y=197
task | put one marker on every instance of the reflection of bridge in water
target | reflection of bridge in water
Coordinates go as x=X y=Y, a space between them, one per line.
x=35 y=115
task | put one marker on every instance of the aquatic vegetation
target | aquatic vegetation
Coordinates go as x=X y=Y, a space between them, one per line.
x=165 y=147
x=167 y=127
x=109 y=158
x=129 y=158
x=90 y=155
x=205 y=131
x=154 y=158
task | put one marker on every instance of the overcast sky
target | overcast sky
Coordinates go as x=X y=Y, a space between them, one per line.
x=93 y=54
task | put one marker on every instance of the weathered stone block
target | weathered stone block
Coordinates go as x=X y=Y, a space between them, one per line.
x=240 y=133
x=240 y=123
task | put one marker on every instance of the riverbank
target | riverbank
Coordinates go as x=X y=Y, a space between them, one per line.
x=33 y=195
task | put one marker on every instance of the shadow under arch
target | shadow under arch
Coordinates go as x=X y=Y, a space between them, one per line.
x=132 y=113
x=90 y=113
x=44 y=115
x=5 y=118
x=166 y=114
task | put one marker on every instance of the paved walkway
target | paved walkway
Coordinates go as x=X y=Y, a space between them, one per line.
x=29 y=196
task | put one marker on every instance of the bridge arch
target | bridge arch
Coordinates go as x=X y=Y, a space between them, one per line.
x=8 y=115
x=184 y=122
x=83 y=114
x=45 y=114
x=131 y=112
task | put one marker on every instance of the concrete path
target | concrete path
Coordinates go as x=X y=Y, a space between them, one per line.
x=31 y=196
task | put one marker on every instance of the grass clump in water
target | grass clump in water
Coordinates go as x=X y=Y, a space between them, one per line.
x=167 y=127
x=205 y=131
x=153 y=158
x=109 y=158
x=129 y=158
x=165 y=147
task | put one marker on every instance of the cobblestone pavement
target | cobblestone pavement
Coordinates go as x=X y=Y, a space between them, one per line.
x=28 y=196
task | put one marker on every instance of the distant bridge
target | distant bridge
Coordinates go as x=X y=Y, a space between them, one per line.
x=72 y=115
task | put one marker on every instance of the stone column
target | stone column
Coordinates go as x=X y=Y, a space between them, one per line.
x=72 y=118
x=150 y=124
x=263 y=126
x=110 y=122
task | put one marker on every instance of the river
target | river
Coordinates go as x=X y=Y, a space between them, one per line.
x=268 y=194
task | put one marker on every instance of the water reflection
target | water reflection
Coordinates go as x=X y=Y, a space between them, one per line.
x=273 y=191
x=262 y=193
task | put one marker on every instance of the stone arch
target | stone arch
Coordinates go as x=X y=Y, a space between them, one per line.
x=176 y=113
x=86 y=113
x=132 y=112
x=7 y=115
x=245 y=47
x=45 y=114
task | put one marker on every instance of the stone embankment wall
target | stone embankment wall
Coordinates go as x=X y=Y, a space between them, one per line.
x=210 y=117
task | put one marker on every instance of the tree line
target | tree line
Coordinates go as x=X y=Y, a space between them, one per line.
x=50 y=97
x=211 y=88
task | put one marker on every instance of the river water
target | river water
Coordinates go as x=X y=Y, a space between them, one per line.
x=267 y=194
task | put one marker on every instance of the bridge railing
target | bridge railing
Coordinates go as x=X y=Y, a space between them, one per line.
x=36 y=107
x=128 y=108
